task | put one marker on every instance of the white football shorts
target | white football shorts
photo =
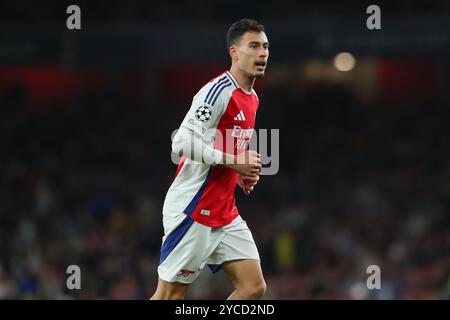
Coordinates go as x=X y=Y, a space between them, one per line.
x=188 y=245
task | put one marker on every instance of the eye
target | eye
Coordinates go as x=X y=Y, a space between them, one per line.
x=253 y=46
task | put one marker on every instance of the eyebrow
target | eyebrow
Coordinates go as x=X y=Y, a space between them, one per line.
x=256 y=42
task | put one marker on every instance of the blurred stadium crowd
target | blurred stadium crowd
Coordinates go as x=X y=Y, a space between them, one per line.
x=139 y=12
x=85 y=159
x=83 y=184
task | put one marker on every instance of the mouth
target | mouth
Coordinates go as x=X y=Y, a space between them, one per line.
x=260 y=65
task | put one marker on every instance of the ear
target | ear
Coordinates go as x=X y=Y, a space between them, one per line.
x=233 y=53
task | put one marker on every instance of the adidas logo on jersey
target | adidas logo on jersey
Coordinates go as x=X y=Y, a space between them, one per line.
x=240 y=116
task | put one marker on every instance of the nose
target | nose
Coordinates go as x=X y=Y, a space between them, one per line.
x=264 y=53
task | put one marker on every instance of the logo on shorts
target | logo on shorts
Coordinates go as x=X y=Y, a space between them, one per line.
x=185 y=272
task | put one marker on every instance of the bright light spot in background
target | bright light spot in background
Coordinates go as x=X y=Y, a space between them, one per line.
x=344 y=61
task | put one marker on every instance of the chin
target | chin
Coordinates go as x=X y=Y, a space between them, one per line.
x=259 y=74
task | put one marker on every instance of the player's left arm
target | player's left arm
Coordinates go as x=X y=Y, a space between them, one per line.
x=248 y=183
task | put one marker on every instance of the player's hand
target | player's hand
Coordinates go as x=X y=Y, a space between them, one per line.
x=248 y=183
x=247 y=163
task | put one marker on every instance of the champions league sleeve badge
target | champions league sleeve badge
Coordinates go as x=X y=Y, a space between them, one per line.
x=203 y=113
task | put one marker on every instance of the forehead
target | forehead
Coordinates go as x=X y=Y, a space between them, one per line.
x=253 y=36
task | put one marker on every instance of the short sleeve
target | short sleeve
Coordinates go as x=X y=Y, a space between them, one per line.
x=207 y=107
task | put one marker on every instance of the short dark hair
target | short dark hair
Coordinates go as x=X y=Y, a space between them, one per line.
x=239 y=28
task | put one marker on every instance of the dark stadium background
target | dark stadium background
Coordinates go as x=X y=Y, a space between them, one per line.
x=86 y=118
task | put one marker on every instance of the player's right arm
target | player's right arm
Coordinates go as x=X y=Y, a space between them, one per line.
x=199 y=126
x=247 y=163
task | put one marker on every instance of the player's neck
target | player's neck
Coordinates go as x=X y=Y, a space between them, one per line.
x=243 y=80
